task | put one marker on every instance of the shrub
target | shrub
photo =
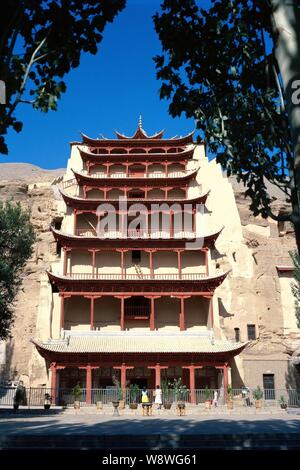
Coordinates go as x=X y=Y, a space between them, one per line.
x=258 y=393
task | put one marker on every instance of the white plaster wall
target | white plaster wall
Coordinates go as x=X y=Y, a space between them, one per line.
x=107 y=314
x=167 y=314
x=288 y=303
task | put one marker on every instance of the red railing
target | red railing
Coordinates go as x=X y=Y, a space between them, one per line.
x=151 y=233
x=162 y=174
x=140 y=277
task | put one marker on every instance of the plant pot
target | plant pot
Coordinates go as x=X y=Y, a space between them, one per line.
x=230 y=405
x=258 y=404
x=283 y=406
x=208 y=404
x=77 y=405
x=99 y=405
x=133 y=406
x=47 y=406
x=167 y=406
x=122 y=404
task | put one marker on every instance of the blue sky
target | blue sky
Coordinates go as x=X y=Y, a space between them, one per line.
x=107 y=91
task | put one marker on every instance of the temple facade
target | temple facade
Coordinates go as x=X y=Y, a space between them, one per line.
x=132 y=294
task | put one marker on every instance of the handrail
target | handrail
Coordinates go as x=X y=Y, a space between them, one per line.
x=126 y=276
x=137 y=175
x=142 y=234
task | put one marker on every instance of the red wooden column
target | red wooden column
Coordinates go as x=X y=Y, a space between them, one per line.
x=66 y=251
x=181 y=315
x=211 y=313
x=53 y=382
x=192 y=369
x=194 y=221
x=225 y=379
x=123 y=368
x=122 y=319
x=152 y=317
x=92 y=313
x=206 y=261
x=88 y=385
x=122 y=316
x=122 y=264
x=171 y=225
x=62 y=311
x=179 y=262
x=157 y=369
x=192 y=383
x=93 y=251
x=75 y=221
x=151 y=261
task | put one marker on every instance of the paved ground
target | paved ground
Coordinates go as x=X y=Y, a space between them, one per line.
x=89 y=428
x=98 y=430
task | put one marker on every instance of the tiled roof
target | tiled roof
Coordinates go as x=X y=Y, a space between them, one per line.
x=154 y=342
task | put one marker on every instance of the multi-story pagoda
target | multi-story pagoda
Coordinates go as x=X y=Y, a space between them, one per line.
x=135 y=284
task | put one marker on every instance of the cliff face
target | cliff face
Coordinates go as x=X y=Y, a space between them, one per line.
x=38 y=198
x=257 y=296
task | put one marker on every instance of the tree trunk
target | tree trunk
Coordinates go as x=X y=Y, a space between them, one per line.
x=286 y=31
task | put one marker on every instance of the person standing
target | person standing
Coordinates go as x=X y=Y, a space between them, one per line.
x=215 y=400
x=158 y=397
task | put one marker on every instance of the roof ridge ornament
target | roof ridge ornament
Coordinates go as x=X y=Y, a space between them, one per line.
x=140 y=122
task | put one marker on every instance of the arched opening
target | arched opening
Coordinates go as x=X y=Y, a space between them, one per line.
x=156 y=169
x=95 y=194
x=98 y=170
x=175 y=168
x=157 y=150
x=115 y=193
x=136 y=194
x=176 y=193
x=137 y=170
x=117 y=170
x=156 y=194
x=100 y=151
x=118 y=151
x=137 y=150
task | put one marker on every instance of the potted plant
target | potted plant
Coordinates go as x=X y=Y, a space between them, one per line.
x=166 y=393
x=120 y=399
x=282 y=402
x=258 y=396
x=229 y=398
x=47 y=401
x=97 y=396
x=134 y=393
x=180 y=393
x=208 y=397
x=20 y=396
x=76 y=392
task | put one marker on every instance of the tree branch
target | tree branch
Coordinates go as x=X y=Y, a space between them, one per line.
x=24 y=81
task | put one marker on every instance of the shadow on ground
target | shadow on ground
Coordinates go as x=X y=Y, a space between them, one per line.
x=101 y=432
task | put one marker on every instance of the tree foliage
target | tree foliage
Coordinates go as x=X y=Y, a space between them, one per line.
x=219 y=66
x=296 y=285
x=16 y=240
x=40 y=42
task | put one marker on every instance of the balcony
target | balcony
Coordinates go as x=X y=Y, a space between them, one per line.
x=137 y=276
x=135 y=234
x=181 y=173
